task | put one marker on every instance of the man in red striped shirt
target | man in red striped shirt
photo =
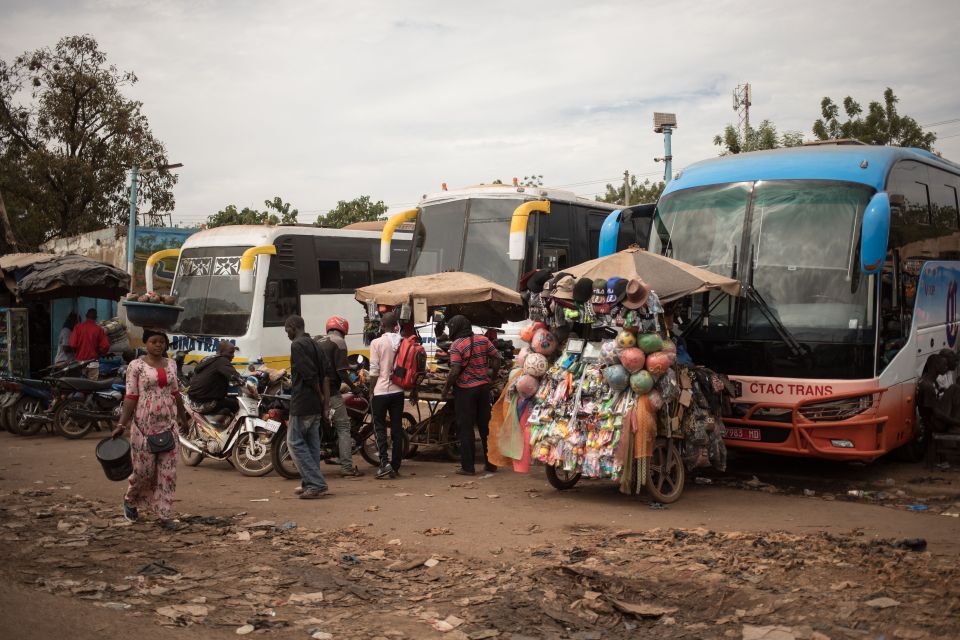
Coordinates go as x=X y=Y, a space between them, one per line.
x=474 y=362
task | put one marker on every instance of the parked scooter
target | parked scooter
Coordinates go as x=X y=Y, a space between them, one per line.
x=83 y=405
x=243 y=438
x=27 y=397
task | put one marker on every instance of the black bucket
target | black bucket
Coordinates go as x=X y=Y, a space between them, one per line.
x=114 y=456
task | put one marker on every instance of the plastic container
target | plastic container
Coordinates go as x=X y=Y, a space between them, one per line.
x=149 y=314
x=113 y=454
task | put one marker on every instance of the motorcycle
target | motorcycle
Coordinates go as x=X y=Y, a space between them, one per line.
x=243 y=439
x=361 y=430
x=81 y=405
x=28 y=397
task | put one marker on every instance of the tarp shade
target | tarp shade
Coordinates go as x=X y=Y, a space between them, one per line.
x=485 y=302
x=46 y=277
x=670 y=278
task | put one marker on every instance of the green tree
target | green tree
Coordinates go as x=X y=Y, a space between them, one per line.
x=766 y=136
x=640 y=192
x=231 y=215
x=881 y=125
x=287 y=214
x=68 y=138
x=360 y=209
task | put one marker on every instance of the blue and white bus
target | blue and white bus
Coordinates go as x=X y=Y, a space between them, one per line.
x=850 y=259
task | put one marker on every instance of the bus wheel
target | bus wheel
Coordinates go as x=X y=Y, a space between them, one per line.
x=667 y=475
x=915 y=449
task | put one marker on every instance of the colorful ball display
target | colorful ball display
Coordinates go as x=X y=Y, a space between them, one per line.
x=521 y=356
x=544 y=342
x=527 y=333
x=617 y=377
x=632 y=359
x=535 y=365
x=642 y=382
x=527 y=386
x=670 y=348
x=658 y=363
x=609 y=352
x=625 y=340
x=650 y=342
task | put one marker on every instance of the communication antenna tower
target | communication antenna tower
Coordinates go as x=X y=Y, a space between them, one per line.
x=742 y=99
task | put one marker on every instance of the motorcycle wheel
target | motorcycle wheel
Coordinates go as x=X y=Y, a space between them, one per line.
x=251 y=455
x=368 y=449
x=24 y=406
x=9 y=417
x=283 y=462
x=68 y=426
x=190 y=457
x=667 y=473
x=562 y=480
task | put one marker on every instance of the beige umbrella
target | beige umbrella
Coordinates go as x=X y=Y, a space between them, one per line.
x=462 y=292
x=670 y=278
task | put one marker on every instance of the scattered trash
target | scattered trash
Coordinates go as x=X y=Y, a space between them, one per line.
x=157 y=568
x=349 y=558
x=431 y=562
x=321 y=635
x=702 y=480
x=913 y=544
x=395 y=542
x=437 y=531
x=288 y=525
x=402 y=495
x=260 y=500
x=485 y=634
x=858 y=493
x=658 y=506
x=470 y=498
x=950 y=514
x=428 y=495
x=372 y=507
x=882 y=603
x=245 y=629
x=243 y=536
x=809 y=493
x=642 y=610
x=183 y=610
x=493 y=496
x=485 y=476
x=306 y=598
x=917 y=507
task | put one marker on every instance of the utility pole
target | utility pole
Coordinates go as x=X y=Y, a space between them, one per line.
x=742 y=99
x=132 y=225
x=626 y=188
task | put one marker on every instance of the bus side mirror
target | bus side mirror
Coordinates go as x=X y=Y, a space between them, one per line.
x=874 y=233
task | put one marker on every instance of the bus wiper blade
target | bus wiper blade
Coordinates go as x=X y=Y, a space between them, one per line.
x=798 y=350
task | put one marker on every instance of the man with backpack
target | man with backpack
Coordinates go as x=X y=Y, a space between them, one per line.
x=334 y=347
x=474 y=360
x=396 y=365
x=309 y=402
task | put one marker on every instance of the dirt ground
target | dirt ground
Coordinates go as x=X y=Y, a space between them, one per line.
x=773 y=549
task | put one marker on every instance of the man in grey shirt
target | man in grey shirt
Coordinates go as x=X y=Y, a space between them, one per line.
x=334 y=347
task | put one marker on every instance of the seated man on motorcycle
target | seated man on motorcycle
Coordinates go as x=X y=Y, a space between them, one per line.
x=212 y=379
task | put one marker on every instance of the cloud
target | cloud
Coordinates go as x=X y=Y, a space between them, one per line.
x=318 y=102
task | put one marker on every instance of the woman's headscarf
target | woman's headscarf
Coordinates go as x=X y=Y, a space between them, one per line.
x=460 y=327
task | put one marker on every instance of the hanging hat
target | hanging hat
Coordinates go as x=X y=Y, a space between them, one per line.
x=636 y=294
x=537 y=280
x=583 y=289
x=599 y=291
x=562 y=283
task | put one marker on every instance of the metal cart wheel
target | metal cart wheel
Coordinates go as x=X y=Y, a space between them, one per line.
x=666 y=472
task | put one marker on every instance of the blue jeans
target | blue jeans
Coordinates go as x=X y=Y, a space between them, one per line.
x=303 y=439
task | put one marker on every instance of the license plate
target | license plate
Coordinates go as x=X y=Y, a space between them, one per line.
x=272 y=425
x=737 y=433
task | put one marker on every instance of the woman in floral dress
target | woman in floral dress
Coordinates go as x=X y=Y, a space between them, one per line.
x=153 y=401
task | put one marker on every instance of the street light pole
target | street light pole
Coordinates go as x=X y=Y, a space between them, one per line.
x=665 y=123
x=132 y=226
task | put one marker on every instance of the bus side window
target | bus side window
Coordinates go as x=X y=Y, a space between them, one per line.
x=343 y=275
x=552 y=258
x=281 y=300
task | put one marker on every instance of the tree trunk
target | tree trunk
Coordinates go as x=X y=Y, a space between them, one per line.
x=8 y=241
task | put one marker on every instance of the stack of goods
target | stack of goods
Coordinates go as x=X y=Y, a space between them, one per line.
x=151 y=310
x=595 y=403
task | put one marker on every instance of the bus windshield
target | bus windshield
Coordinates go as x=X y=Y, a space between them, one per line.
x=207 y=286
x=441 y=245
x=797 y=252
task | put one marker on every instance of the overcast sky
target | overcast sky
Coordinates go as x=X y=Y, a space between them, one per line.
x=322 y=101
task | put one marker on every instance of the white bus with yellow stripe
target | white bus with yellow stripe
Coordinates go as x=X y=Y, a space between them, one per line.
x=241 y=282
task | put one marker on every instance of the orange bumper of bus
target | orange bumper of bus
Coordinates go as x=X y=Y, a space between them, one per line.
x=796 y=433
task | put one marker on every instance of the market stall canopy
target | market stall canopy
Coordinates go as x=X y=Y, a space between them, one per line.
x=483 y=301
x=670 y=278
x=46 y=276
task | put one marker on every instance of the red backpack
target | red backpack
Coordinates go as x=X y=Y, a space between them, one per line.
x=410 y=365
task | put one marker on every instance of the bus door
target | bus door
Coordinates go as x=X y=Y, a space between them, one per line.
x=553 y=233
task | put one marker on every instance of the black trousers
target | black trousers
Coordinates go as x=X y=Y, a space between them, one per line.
x=471 y=407
x=392 y=404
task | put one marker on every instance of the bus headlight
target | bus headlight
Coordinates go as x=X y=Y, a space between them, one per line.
x=841 y=409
